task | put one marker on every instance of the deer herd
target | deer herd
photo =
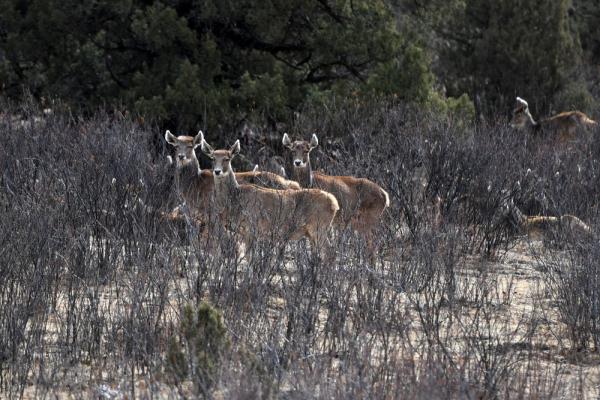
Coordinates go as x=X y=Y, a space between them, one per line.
x=265 y=204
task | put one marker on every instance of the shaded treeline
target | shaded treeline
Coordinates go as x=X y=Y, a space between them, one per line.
x=216 y=65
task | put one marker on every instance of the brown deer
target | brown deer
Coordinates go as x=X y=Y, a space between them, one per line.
x=564 y=126
x=256 y=211
x=196 y=185
x=540 y=226
x=362 y=201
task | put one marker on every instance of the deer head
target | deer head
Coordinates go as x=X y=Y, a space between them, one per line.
x=221 y=159
x=300 y=149
x=521 y=115
x=184 y=146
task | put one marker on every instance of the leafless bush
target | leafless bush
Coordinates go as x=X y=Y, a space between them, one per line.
x=573 y=284
x=95 y=280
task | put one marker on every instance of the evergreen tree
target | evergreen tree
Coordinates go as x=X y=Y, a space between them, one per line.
x=587 y=16
x=202 y=63
x=495 y=50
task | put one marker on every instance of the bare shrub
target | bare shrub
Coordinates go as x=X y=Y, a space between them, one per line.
x=95 y=281
x=572 y=280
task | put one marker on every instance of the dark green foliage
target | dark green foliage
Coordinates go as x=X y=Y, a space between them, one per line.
x=212 y=64
x=206 y=341
x=524 y=48
x=587 y=16
x=496 y=50
x=176 y=364
x=205 y=63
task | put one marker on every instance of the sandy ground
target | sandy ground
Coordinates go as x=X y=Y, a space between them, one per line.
x=519 y=293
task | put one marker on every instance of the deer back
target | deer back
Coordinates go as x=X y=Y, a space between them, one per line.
x=355 y=195
x=292 y=212
x=567 y=125
x=266 y=179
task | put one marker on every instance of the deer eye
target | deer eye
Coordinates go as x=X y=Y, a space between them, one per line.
x=226 y=159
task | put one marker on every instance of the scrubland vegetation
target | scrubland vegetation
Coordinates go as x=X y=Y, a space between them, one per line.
x=484 y=283
x=101 y=296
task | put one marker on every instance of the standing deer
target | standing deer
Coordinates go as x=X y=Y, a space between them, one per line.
x=257 y=211
x=563 y=126
x=193 y=184
x=196 y=185
x=362 y=201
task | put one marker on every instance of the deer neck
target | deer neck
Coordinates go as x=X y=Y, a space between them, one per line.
x=533 y=124
x=304 y=175
x=226 y=188
x=186 y=177
x=518 y=218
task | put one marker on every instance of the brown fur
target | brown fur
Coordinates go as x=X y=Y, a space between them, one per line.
x=362 y=201
x=281 y=214
x=564 y=127
x=287 y=214
x=266 y=179
x=567 y=125
x=540 y=226
x=196 y=186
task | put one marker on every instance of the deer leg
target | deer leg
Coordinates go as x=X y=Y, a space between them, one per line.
x=246 y=241
x=320 y=244
x=371 y=246
x=314 y=243
x=367 y=232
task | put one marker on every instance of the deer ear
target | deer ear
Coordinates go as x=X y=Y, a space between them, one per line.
x=235 y=149
x=170 y=138
x=198 y=139
x=207 y=149
x=314 y=141
x=286 y=140
x=522 y=102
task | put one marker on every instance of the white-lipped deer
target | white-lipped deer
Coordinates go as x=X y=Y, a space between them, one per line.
x=563 y=127
x=256 y=211
x=196 y=185
x=542 y=225
x=361 y=201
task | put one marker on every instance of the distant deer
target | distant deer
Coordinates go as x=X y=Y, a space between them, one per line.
x=535 y=226
x=196 y=185
x=362 y=201
x=254 y=210
x=563 y=126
